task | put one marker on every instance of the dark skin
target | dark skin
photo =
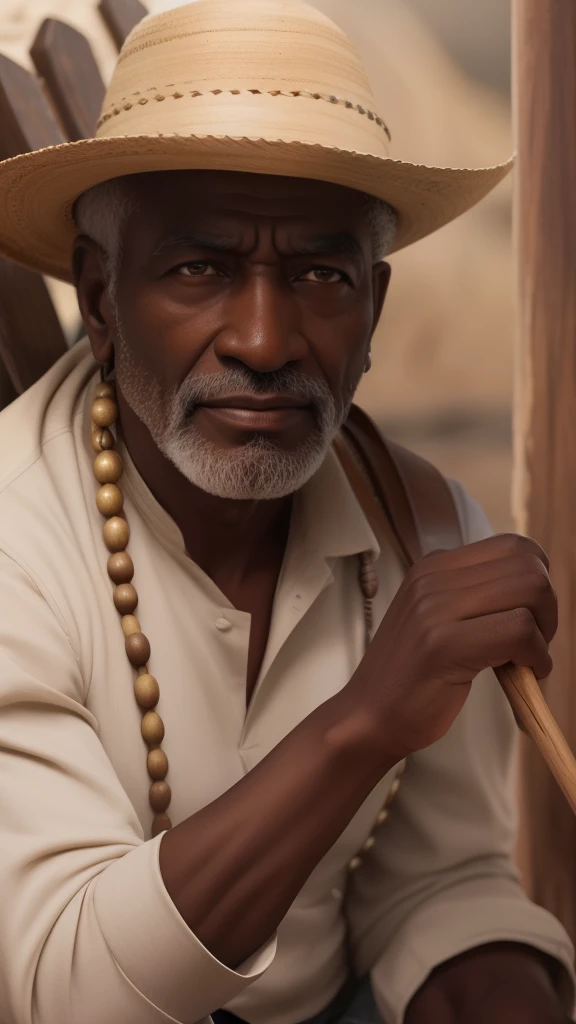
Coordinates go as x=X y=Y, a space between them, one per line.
x=248 y=293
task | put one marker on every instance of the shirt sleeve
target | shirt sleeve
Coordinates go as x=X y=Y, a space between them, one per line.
x=89 y=933
x=441 y=879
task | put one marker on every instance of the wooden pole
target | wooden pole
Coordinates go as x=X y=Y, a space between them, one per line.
x=544 y=34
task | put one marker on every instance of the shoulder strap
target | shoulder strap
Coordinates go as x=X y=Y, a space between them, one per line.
x=399 y=491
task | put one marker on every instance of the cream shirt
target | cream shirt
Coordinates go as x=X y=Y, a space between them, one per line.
x=88 y=933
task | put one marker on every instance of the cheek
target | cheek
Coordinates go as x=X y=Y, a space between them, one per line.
x=168 y=336
x=343 y=355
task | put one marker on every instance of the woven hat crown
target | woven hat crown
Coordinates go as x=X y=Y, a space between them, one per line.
x=260 y=69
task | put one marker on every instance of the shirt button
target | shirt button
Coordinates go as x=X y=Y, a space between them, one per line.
x=223 y=625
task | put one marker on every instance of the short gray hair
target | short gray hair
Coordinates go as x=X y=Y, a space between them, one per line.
x=101 y=214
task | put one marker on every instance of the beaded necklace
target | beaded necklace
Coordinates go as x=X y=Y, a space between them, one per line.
x=108 y=469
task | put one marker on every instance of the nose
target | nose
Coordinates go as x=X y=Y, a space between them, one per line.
x=263 y=328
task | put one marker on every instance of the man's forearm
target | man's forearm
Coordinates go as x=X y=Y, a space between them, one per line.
x=234 y=868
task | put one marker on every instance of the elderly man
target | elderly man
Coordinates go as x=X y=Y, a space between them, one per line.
x=197 y=736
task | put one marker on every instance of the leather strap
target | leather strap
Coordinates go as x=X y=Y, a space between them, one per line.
x=400 y=492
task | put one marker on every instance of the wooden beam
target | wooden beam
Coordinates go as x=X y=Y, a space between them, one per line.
x=121 y=16
x=545 y=407
x=31 y=338
x=63 y=57
x=26 y=120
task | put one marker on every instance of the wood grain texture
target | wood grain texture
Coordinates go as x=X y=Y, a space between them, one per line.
x=545 y=409
x=120 y=16
x=64 y=59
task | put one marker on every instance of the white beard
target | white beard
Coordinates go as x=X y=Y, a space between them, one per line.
x=256 y=470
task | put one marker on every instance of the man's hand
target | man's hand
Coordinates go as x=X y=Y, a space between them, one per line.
x=234 y=867
x=502 y=983
x=455 y=614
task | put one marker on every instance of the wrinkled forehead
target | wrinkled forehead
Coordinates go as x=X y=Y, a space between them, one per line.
x=162 y=196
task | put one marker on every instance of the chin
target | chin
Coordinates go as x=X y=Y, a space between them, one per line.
x=259 y=470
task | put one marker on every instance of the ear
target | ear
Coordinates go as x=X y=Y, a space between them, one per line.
x=381 y=274
x=91 y=280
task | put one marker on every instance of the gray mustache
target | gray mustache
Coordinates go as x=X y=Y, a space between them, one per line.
x=197 y=389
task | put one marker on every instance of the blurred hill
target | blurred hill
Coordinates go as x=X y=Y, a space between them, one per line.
x=442 y=369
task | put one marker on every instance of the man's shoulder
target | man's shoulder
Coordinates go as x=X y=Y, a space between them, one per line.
x=38 y=459
x=43 y=412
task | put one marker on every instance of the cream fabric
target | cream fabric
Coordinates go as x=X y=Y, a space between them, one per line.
x=88 y=933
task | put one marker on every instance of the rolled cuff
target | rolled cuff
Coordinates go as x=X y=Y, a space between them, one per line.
x=154 y=947
x=455 y=922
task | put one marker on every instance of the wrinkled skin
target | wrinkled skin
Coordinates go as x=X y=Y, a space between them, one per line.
x=250 y=297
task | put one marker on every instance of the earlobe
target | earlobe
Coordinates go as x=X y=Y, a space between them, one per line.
x=368 y=363
x=91 y=282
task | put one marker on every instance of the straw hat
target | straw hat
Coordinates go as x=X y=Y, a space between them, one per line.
x=264 y=86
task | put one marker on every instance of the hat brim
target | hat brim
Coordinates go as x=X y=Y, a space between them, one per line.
x=39 y=189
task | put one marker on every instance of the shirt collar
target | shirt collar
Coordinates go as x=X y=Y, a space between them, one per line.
x=327 y=516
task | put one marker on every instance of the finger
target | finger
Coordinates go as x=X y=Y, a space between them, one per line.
x=494 y=640
x=531 y=590
x=499 y=546
x=480 y=572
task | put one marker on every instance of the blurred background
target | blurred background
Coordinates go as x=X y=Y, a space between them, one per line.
x=441 y=380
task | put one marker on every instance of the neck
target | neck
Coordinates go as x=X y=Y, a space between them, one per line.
x=223 y=536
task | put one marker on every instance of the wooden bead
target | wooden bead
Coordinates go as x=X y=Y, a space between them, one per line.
x=160 y=796
x=160 y=824
x=152 y=729
x=106 y=439
x=102 y=440
x=382 y=816
x=369 y=843
x=96 y=436
x=130 y=625
x=120 y=567
x=146 y=690
x=137 y=648
x=125 y=598
x=105 y=390
x=354 y=863
x=108 y=467
x=104 y=412
x=109 y=500
x=116 y=534
x=157 y=764
x=393 y=790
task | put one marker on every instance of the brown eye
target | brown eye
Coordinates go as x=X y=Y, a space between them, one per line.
x=323 y=275
x=196 y=269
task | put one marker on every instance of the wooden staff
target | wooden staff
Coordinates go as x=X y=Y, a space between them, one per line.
x=544 y=40
x=525 y=696
x=519 y=684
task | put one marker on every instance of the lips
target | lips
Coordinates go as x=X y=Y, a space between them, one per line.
x=256 y=413
x=260 y=403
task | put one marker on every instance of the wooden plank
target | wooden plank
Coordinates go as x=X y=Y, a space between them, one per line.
x=120 y=17
x=63 y=57
x=545 y=414
x=31 y=338
x=26 y=120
